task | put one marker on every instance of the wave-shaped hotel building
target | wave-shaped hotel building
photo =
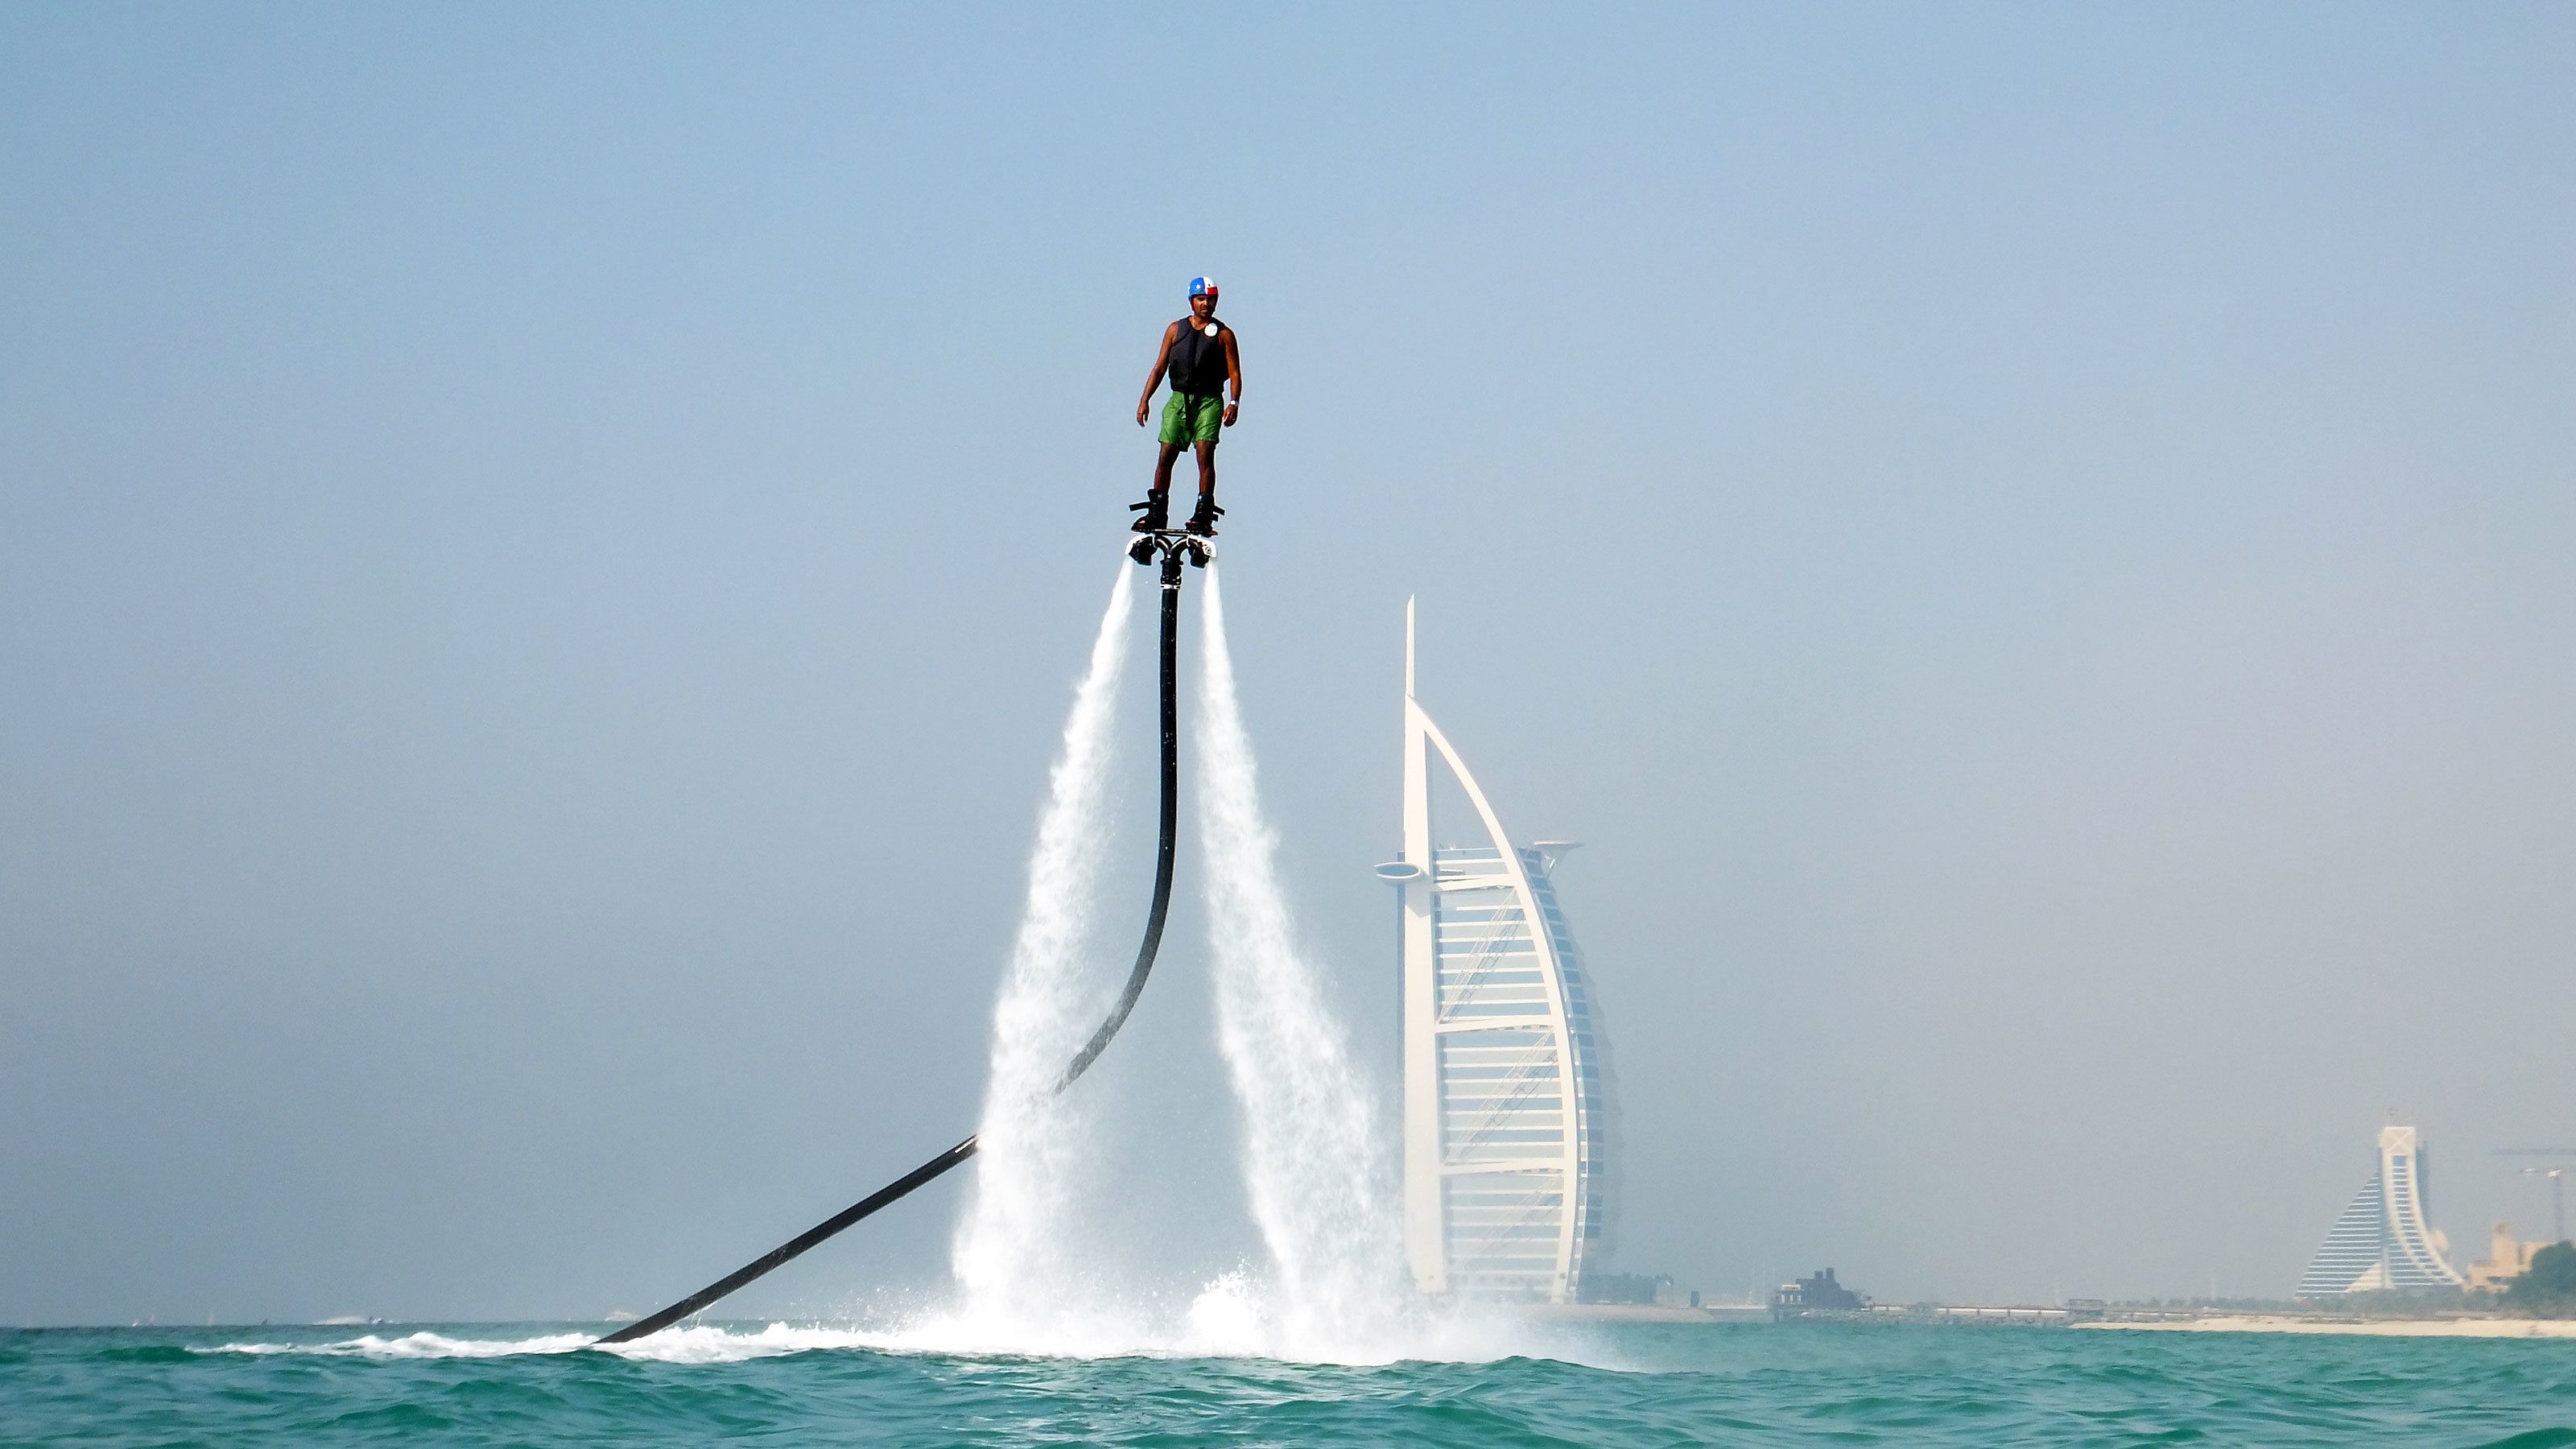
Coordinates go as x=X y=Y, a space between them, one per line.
x=2382 y=1242
x=1509 y=1133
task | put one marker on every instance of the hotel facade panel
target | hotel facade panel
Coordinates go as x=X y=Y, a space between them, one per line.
x=1508 y=1123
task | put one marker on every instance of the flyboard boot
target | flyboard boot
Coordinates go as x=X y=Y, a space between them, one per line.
x=1155 y=537
x=1203 y=522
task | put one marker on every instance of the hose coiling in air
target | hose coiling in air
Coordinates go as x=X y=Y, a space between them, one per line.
x=1173 y=548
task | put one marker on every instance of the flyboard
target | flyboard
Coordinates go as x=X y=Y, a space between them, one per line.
x=1174 y=548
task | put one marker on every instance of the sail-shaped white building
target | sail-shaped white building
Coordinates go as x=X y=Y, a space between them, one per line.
x=2382 y=1241
x=1508 y=1128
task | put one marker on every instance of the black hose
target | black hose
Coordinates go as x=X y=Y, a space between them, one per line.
x=656 y=1322
x=1153 y=941
x=902 y=1186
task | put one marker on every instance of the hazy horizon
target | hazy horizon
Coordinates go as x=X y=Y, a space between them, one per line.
x=544 y=555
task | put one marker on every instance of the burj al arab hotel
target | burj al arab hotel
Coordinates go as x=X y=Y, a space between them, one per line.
x=1508 y=1129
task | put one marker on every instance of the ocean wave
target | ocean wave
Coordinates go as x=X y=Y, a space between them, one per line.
x=1228 y=1321
x=1753 y=1385
x=693 y=1344
x=423 y=1344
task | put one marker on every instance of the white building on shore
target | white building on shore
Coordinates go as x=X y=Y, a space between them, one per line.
x=2382 y=1242
x=1508 y=1128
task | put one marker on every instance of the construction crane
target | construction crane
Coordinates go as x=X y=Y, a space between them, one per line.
x=2557 y=1176
x=2557 y=1199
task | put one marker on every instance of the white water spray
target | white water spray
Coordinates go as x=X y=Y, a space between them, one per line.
x=1013 y=1254
x=1315 y=1169
x=1315 y=1166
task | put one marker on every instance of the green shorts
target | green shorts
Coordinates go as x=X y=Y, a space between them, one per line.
x=1190 y=418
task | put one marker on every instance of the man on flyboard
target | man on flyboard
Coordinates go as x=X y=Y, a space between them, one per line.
x=1200 y=359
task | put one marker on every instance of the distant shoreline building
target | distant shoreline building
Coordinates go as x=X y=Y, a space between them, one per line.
x=1508 y=1132
x=2382 y=1242
x=1823 y=1293
x=2508 y=1257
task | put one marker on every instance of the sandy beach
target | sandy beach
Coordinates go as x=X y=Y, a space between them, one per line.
x=2379 y=1327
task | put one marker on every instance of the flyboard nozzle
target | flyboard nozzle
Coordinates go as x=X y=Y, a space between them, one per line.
x=1177 y=547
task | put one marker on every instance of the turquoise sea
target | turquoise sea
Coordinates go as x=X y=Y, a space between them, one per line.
x=1635 y=1385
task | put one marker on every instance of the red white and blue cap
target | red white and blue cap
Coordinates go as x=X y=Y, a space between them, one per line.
x=1202 y=286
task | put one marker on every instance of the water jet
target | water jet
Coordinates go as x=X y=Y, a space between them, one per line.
x=1174 y=548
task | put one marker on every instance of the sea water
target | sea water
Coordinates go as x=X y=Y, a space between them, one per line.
x=1613 y=1386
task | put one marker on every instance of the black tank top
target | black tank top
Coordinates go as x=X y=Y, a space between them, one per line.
x=1198 y=360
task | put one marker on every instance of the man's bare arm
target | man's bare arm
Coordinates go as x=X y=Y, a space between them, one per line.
x=1154 y=379
x=1233 y=377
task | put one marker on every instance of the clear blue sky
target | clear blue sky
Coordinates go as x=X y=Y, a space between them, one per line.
x=542 y=550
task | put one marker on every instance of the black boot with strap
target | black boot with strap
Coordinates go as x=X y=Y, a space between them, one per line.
x=1203 y=522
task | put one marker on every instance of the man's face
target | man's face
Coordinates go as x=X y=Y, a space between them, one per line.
x=1203 y=306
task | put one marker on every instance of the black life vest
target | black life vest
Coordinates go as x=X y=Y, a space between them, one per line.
x=1197 y=363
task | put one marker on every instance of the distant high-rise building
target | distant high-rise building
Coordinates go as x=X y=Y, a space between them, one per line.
x=1508 y=1133
x=2382 y=1241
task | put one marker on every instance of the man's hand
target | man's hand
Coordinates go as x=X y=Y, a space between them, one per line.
x=1230 y=411
x=1142 y=406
